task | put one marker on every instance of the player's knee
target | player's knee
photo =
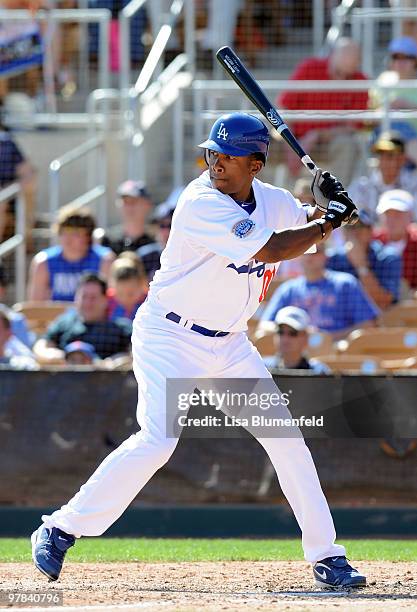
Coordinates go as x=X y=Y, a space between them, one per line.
x=156 y=449
x=164 y=450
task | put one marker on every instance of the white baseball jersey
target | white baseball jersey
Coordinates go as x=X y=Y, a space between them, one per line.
x=208 y=272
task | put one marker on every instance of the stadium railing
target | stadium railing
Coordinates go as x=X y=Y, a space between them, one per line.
x=16 y=243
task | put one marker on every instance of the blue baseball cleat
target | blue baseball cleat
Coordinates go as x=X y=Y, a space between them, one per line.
x=334 y=572
x=49 y=547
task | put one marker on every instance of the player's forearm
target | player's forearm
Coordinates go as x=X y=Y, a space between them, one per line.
x=292 y=242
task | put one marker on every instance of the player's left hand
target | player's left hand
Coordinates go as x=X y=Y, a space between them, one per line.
x=324 y=187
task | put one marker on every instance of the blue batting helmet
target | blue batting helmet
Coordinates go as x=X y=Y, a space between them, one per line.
x=238 y=134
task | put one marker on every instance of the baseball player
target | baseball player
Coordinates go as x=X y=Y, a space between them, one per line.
x=229 y=233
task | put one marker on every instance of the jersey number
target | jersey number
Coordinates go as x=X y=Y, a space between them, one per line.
x=266 y=281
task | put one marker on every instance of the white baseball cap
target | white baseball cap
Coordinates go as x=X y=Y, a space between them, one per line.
x=294 y=317
x=395 y=199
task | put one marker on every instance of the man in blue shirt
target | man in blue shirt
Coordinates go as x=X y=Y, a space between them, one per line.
x=56 y=271
x=377 y=266
x=335 y=301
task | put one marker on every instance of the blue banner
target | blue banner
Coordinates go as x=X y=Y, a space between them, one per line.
x=20 y=48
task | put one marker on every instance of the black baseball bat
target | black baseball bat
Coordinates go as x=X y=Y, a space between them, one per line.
x=242 y=77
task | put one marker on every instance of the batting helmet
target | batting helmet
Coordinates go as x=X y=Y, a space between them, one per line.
x=238 y=134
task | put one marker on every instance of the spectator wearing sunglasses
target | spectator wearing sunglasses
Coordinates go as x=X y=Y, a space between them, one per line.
x=402 y=66
x=291 y=341
x=389 y=170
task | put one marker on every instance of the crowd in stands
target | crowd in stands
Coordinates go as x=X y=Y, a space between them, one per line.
x=103 y=274
x=98 y=288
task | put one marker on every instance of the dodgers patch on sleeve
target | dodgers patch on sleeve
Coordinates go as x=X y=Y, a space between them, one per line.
x=243 y=228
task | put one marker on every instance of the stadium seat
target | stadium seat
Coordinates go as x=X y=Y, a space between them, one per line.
x=383 y=343
x=410 y=363
x=263 y=337
x=340 y=363
x=403 y=314
x=40 y=314
x=320 y=343
x=252 y=327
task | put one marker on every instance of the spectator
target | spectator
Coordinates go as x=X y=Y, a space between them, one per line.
x=80 y=353
x=333 y=144
x=302 y=191
x=12 y=352
x=378 y=267
x=161 y=218
x=293 y=329
x=135 y=204
x=56 y=271
x=31 y=5
x=391 y=172
x=128 y=286
x=402 y=67
x=18 y=322
x=14 y=167
x=335 y=301
x=86 y=322
x=396 y=208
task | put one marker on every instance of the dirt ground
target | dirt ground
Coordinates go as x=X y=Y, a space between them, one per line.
x=222 y=586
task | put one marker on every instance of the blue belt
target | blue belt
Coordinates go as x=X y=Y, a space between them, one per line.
x=172 y=316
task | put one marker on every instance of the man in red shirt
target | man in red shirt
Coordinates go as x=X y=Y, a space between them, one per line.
x=395 y=208
x=334 y=144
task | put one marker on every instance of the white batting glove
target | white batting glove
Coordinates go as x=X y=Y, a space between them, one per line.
x=325 y=187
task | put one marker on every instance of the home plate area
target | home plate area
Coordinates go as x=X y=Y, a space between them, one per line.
x=212 y=586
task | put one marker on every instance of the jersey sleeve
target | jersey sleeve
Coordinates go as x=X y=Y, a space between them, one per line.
x=223 y=228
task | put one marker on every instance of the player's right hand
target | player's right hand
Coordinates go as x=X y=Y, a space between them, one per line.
x=324 y=188
x=341 y=210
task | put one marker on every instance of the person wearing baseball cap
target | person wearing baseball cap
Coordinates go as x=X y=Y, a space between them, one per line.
x=395 y=209
x=378 y=267
x=293 y=328
x=391 y=172
x=80 y=353
x=134 y=204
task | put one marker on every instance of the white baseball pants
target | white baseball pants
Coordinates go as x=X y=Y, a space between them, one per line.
x=163 y=349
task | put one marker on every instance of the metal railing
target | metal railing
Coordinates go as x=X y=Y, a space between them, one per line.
x=82 y=16
x=339 y=18
x=160 y=42
x=94 y=192
x=17 y=242
x=207 y=93
x=368 y=16
x=129 y=102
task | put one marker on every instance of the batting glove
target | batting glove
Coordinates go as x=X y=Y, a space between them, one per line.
x=341 y=210
x=324 y=187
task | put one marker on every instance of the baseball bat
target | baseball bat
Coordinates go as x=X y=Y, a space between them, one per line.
x=242 y=77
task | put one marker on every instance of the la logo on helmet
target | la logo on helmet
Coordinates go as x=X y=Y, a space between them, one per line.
x=222 y=132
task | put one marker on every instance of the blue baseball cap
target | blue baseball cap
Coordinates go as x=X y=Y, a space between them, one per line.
x=404 y=45
x=81 y=347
